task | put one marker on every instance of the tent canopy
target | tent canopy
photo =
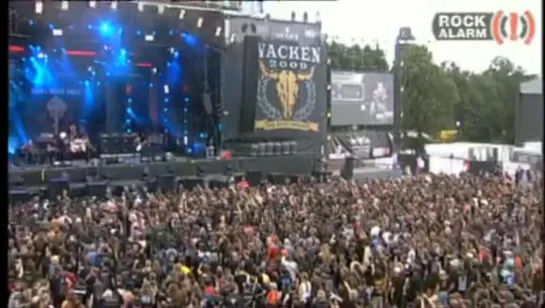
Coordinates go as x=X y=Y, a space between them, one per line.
x=534 y=86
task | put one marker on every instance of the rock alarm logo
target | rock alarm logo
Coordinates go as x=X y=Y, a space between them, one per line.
x=499 y=27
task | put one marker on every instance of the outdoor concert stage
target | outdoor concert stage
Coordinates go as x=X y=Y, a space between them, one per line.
x=290 y=164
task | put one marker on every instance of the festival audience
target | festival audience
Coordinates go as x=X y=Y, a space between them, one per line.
x=425 y=241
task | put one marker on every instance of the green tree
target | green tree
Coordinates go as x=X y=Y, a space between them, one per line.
x=429 y=94
x=356 y=58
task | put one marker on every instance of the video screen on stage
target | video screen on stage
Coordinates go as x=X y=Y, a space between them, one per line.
x=362 y=98
x=290 y=88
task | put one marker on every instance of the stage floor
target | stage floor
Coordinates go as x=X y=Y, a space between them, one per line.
x=39 y=176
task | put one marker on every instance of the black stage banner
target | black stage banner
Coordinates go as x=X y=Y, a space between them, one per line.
x=290 y=87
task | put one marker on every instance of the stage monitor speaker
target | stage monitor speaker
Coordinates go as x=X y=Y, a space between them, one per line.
x=191 y=182
x=278 y=178
x=97 y=189
x=166 y=182
x=219 y=182
x=347 y=172
x=254 y=177
x=19 y=196
x=55 y=187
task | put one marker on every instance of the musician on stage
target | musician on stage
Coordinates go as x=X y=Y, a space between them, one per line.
x=77 y=142
x=29 y=152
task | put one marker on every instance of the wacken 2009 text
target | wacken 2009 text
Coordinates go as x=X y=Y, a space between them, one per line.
x=291 y=57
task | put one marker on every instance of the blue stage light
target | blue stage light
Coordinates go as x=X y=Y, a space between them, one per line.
x=151 y=85
x=51 y=26
x=165 y=109
x=105 y=28
x=129 y=131
x=98 y=83
x=171 y=32
x=166 y=130
x=186 y=99
x=176 y=54
x=86 y=82
x=128 y=121
x=123 y=52
x=138 y=32
x=129 y=110
x=189 y=39
x=166 y=100
x=129 y=100
x=31 y=22
x=185 y=109
x=90 y=27
x=164 y=119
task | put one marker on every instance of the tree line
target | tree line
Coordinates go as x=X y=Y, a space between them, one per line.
x=439 y=97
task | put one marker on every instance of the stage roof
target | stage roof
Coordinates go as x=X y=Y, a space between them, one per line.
x=534 y=86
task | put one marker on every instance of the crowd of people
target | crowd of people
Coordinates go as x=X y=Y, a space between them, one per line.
x=421 y=241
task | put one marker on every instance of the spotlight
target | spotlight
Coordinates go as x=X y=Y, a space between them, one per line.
x=154 y=70
x=233 y=38
x=182 y=14
x=149 y=38
x=113 y=5
x=105 y=28
x=161 y=9
x=199 y=22
x=218 y=31
x=57 y=32
x=166 y=89
x=185 y=140
x=64 y=5
x=39 y=7
x=92 y=4
x=140 y=7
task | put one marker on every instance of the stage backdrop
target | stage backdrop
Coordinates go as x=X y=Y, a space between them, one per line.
x=362 y=98
x=53 y=109
x=290 y=92
x=234 y=61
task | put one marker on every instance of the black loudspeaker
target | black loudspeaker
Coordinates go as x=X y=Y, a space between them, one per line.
x=19 y=196
x=347 y=172
x=97 y=189
x=219 y=182
x=166 y=182
x=55 y=187
x=278 y=178
x=191 y=182
x=254 y=178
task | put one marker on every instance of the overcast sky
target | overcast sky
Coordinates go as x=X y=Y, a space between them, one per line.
x=380 y=20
